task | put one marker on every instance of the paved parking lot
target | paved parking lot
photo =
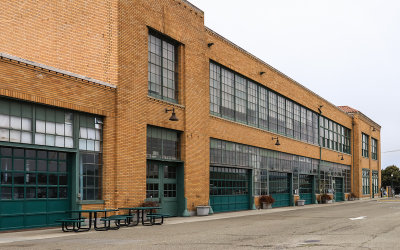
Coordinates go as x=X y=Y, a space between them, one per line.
x=350 y=225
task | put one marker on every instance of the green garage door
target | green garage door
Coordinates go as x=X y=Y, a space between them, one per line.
x=34 y=189
x=279 y=188
x=338 y=187
x=229 y=189
x=306 y=188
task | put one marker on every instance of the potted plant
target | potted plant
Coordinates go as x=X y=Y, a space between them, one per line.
x=203 y=210
x=266 y=201
x=352 y=196
x=326 y=198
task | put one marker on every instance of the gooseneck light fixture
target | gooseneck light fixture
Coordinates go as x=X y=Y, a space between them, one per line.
x=319 y=108
x=340 y=155
x=210 y=44
x=277 y=141
x=262 y=73
x=173 y=116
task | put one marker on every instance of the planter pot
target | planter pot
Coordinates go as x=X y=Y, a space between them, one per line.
x=300 y=202
x=203 y=210
x=327 y=201
x=266 y=205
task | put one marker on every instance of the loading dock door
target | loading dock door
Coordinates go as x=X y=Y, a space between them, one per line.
x=306 y=188
x=338 y=187
x=229 y=189
x=279 y=188
x=34 y=187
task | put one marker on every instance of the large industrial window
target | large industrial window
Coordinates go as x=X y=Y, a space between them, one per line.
x=162 y=143
x=234 y=97
x=90 y=147
x=375 y=181
x=225 y=153
x=365 y=181
x=240 y=99
x=365 y=145
x=334 y=136
x=34 y=124
x=90 y=175
x=162 y=70
x=90 y=132
x=374 y=149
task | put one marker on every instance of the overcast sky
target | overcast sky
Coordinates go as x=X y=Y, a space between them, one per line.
x=345 y=51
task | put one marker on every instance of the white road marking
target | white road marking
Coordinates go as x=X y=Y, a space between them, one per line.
x=358 y=218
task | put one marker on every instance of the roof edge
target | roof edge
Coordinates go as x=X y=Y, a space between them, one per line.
x=64 y=72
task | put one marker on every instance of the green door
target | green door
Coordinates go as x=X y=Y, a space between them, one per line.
x=338 y=187
x=306 y=188
x=279 y=188
x=162 y=186
x=229 y=189
x=34 y=188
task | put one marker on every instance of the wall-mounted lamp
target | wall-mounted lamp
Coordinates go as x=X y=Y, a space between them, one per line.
x=173 y=116
x=340 y=155
x=277 y=141
x=262 y=73
x=373 y=129
x=210 y=44
x=319 y=108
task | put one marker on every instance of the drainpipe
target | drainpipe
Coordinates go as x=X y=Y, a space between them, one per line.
x=352 y=154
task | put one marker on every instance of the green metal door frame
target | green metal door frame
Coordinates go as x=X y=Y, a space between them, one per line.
x=179 y=183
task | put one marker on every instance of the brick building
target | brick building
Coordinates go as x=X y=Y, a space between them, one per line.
x=87 y=91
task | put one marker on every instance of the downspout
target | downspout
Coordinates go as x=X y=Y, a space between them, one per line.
x=352 y=154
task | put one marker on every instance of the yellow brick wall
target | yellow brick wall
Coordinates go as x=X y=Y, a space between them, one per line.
x=77 y=36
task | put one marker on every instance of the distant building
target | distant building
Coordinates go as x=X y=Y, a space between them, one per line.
x=107 y=104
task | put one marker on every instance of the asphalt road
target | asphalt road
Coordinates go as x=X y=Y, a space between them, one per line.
x=350 y=225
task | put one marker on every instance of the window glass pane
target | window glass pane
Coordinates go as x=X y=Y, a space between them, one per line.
x=15 y=136
x=26 y=137
x=4 y=135
x=50 y=140
x=68 y=129
x=50 y=128
x=26 y=124
x=4 y=121
x=59 y=128
x=69 y=143
x=40 y=139
x=40 y=126
x=15 y=122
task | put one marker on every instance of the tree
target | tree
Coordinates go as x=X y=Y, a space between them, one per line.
x=387 y=177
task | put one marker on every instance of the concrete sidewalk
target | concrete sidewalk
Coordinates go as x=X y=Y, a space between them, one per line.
x=37 y=234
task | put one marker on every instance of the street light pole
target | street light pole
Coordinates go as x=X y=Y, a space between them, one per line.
x=391 y=187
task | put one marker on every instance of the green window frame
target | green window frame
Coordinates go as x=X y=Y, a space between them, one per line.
x=374 y=149
x=365 y=181
x=29 y=174
x=162 y=67
x=90 y=175
x=334 y=136
x=375 y=181
x=162 y=143
x=365 y=145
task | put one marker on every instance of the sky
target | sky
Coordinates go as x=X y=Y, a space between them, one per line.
x=347 y=52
